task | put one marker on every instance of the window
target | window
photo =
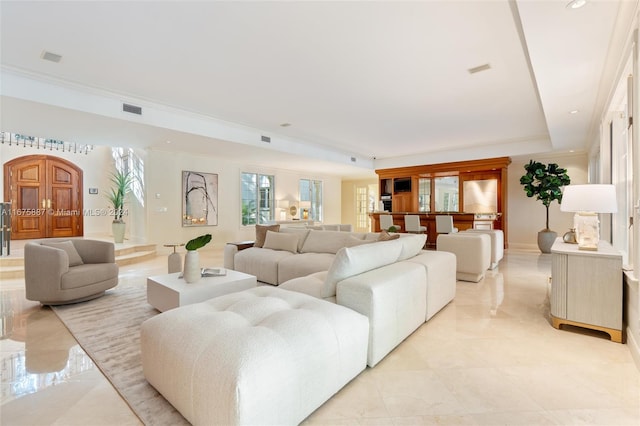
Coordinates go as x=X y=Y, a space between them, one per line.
x=424 y=195
x=257 y=193
x=311 y=199
x=126 y=160
x=446 y=194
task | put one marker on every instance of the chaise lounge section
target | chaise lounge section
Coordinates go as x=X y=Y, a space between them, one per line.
x=260 y=356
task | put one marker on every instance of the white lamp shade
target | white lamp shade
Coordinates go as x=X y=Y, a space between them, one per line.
x=597 y=198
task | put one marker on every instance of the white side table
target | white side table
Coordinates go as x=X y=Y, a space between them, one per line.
x=169 y=291
x=174 y=262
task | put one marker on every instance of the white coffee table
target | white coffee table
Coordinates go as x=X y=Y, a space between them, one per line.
x=169 y=291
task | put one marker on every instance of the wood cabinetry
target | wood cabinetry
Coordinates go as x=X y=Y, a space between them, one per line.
x=403 y=202
x=402 y=186
x=586 y=288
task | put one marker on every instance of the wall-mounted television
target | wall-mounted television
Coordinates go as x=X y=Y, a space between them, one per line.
x=402 y=184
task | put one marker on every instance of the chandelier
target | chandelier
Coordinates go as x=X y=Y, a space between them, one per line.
x=15 y=139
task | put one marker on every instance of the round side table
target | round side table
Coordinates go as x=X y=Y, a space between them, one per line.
x=174 y=262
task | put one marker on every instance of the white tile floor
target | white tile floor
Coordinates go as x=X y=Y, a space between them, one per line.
x=491 y=357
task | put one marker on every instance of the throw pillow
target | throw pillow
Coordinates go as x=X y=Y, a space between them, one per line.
x=355 y=241
x=350 y=261
x=300 y=232
x=325 y=241
x=69 y=248
x=412 y=244
x=281 y=241
x=385 y=236
x=261 y=233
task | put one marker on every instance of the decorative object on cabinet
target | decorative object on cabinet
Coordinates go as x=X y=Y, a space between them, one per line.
x=569 y=237
x=586 y=288
x=283 y=205
x=587 y=201
x=545 y=183
x=199 y=198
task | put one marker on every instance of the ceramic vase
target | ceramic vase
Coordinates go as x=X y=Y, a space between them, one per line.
x=546 y=238
x=118 y=229
x=191 y=270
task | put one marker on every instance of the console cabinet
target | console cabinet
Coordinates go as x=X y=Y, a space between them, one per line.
x=586 y=288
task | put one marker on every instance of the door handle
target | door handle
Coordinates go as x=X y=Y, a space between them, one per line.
x=44 y=203
x=48 y=203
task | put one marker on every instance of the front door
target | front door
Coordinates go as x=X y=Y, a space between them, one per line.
x=46 y=197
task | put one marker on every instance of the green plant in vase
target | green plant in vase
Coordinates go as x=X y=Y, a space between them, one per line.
x=122 y=183
x=191 y=271
x=545 y=182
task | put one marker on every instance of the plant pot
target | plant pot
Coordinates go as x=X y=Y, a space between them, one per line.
x=546 y=238
x=118 y=228
x=191 y=270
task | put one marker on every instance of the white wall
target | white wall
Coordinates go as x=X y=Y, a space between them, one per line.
x=526 y=216
x=163 y=172
x=158 y=220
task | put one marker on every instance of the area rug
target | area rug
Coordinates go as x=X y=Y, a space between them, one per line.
x=108 y=329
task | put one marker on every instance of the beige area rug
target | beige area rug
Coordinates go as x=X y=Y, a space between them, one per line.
x=108 y=329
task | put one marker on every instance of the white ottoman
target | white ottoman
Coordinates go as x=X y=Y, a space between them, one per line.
x=473 y=253
x=260 y=356
x=497 y=244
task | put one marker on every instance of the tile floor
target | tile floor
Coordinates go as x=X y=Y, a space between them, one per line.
x=489 y=358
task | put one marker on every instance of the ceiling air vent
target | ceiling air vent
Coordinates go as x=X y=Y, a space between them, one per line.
x=49 y=56
x=266 y=139
x=132 y=109
x=479 y=68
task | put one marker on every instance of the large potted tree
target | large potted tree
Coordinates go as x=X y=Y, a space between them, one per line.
x=121 y=187
x=545 y=182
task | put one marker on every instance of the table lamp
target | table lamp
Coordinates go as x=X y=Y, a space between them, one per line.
x=587 y=201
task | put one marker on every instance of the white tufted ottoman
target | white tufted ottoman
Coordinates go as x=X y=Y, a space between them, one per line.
x=259 y=356
x=473 y=253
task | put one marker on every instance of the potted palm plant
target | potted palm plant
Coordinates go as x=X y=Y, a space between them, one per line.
x=121 y=187
x=545 y=182
x=191 y=272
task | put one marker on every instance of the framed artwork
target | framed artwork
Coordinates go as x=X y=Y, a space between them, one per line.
x=199 y=198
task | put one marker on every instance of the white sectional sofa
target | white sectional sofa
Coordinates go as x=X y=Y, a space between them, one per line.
x=272 y=355
x=395 y=283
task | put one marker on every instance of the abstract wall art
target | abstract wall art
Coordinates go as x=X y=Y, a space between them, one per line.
x=199 y=199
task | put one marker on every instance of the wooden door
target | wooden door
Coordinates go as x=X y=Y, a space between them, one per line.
x=45 y=193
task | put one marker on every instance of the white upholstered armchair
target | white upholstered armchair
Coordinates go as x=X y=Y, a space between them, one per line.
x=57 y=272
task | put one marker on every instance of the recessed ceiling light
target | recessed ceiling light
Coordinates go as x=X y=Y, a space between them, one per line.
x=576 y=4
x=285 y=124
x=49 y=56
x=574 y=111
x=168 y=141
x=479 y=68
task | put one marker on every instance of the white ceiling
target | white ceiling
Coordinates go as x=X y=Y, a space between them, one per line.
x=383 y=80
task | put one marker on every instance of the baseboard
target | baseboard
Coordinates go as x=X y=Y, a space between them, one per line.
x=634 y=348
x=524 y=246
